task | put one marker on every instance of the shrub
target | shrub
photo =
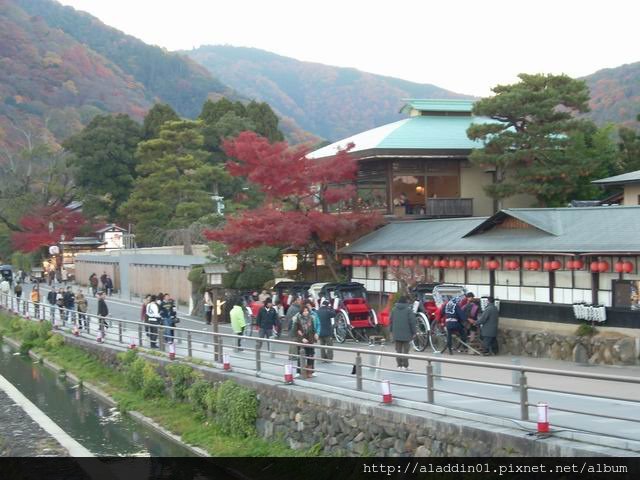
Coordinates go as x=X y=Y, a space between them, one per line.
x=211 y=400
x=127 y=358
x=152 y=383
x=54 y=342
x=586 y=330
x=197 y=394
x=133 y=374
x=181 y=378
x=236 y=409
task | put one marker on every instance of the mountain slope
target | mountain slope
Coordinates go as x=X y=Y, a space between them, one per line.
x=332 y=102
x=615 y=94
x=166 y=76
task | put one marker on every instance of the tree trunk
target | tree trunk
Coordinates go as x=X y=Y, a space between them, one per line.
x=186 y=242
x=328 y=255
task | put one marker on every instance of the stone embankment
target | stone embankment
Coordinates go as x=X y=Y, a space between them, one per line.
x=21 y=436
x=608 y=349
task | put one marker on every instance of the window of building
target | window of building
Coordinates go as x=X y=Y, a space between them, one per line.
x=372 y=185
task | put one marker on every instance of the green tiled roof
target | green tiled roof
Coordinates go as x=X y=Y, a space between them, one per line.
x=629 y=177
x=437 y=105
x=415 y=133
x=557 y=230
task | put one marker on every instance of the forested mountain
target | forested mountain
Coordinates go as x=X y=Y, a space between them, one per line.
x=332 y=102
x=615 y=94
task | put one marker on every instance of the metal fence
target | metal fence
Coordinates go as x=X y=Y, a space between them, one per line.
x=359 y=369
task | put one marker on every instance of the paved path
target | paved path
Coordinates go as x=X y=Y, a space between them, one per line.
x=471 y=381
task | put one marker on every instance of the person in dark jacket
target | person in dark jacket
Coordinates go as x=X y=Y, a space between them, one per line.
x=51 y=298
x=325 y=330
x=69 y=299
x=168 y=315
x=488 y=322
x=108 y=285
x=103 y=312
x=455 y=317
x=267 y=320
x=292 y=312
x=93 y=282
x=403 y=329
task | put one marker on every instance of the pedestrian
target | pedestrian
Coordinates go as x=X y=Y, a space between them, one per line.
x=17 y=291
x=292 y=311
x=238 y=321
x=208 y=305
x=51 y=298
x=488 y=322
x=5 y=289
x=60 y=305
x=109 y=285
x=103 y=280
x=307 y=336
x=326 y=315
x=455 y=318
x=154 y=319
x=168 y=314
x=93 y=283
x=69 y=299
x=263 y=296
x=280 y=309
x=267 y=320
x=64 y=276
x=143 y=314
x=403 y=329
x=103 y=312
x=82 y=306
x=35 y=299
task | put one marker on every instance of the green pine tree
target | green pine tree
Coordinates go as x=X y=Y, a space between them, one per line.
x=537 y=146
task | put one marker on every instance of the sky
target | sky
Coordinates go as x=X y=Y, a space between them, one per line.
x=465 y=46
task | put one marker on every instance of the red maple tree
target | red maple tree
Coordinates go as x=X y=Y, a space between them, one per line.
x=44 y=227
x=309 y=202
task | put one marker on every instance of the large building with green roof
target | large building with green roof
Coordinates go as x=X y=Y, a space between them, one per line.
x=418 y=167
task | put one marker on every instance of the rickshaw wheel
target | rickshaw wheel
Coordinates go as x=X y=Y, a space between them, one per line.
x=341 y=330
x=422 y=338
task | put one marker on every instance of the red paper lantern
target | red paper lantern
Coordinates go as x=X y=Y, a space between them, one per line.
x=578 y=264
x=346 y=262
x=426 y=262
x=627 y=267
x=594 y=267
x=458 y=263
x=493 y=264
x=534 y=265
x=356 y=262
x=367 y=262
x=618 y=267
x=526 y=265
x=409 y=262
x=394 y=262
x=603 y=266
x=383 y=262
x=477 y=264
x=555 y=265
x=444 y=263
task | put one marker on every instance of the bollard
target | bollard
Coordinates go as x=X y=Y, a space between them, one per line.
x=543 y=417
x=226 y=363
x=387 y=398
x=172 y=351
x=358 y=372
x=132 y=343
x=119 y=332
x=75 y=330
x=288 y=373
x=524 y=397
x=140 y=335
x=430 y=392
x=99 y=338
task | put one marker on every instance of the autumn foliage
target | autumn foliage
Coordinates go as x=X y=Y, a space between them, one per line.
x=306 y=200
x=35 y=228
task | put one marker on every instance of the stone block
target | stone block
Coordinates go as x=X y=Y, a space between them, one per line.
x=387 y=442
x=422 y=451
x=625 y=351
x=359 y=437
x=580 y=354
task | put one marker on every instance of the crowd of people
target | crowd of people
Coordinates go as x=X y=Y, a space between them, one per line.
x=159 y=311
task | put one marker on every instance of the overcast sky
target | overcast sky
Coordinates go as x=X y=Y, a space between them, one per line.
x=466 y=46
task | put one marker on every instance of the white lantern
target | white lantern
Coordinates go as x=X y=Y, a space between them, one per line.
x=290 y=261
x=320 y=260
x=54 y=250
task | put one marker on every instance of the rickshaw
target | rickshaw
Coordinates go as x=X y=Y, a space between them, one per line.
x=6 y=273
x=37 y=275
x=287 y=289
x=430 y=326
x=354 y=318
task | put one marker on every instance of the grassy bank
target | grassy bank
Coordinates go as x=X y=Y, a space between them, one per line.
x=219 y=418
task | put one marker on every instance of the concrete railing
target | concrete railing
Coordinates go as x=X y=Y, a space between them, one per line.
x=266 y=356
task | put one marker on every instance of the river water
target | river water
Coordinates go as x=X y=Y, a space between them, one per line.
x=94 y=424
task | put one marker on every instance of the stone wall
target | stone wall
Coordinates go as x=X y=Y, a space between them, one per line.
x=344 y=426
x=605 y=349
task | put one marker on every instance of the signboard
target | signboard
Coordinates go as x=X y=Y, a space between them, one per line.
x=626 y=294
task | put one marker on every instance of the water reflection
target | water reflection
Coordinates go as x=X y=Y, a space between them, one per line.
x=97 y=426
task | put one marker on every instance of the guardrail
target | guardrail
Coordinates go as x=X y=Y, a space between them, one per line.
x=210 y=347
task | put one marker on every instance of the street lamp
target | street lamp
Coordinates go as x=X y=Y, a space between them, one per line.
x=289 y=261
